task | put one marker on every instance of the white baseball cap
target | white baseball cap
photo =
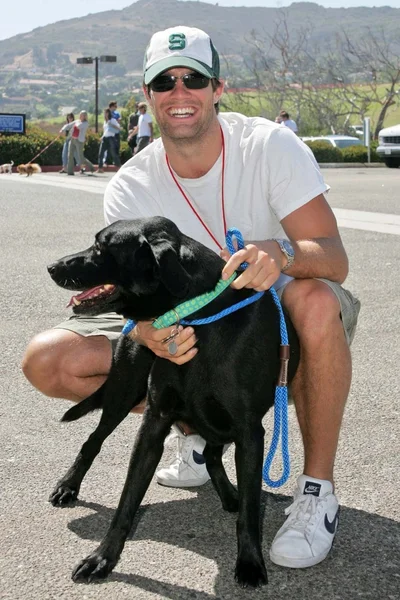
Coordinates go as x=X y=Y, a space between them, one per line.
x=180 y=46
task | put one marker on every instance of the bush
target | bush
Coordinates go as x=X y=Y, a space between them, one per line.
x=374 y=156
x=23 y=148
x=324 y=152
x=92 y=147
x=125 y=152
x=358 y=154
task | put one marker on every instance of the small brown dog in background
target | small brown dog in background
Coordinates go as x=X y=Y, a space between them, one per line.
x=29 y=169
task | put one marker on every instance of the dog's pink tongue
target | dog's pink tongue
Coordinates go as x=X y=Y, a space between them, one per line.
x=92 y=293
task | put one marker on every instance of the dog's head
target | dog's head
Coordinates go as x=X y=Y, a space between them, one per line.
x=139 y=269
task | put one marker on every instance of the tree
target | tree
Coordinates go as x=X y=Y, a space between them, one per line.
x=324 y=88
x=377 y=58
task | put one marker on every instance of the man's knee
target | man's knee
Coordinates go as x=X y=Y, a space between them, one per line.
x=55 y=356
x=41 y=361
x=312 y=306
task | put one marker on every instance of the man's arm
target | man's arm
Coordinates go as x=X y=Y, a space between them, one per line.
x=316 y=241
x=115 y=125
x=319 y=251
x=132 y=132
x=67 y=127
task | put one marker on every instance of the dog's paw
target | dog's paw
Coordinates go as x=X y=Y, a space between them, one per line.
x=63 y=495
x=251 y=573
x=93 y=567
x=231 y=503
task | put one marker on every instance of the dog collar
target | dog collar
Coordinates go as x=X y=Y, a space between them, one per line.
x=174 y=316
x=190 y=306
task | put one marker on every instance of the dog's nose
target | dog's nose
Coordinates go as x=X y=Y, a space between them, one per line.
x=51 y=268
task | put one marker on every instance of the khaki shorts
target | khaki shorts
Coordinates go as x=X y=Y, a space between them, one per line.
x=111 y=324
x=349 y=306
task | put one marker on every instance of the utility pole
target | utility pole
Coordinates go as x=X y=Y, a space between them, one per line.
x=89 y=60
x=96 y=79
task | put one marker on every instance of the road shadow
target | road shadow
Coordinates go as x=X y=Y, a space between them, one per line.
x=364 y=561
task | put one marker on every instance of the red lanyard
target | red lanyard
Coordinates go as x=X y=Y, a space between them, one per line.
x=222 y=194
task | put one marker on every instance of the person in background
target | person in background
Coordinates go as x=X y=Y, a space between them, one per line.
x=145 y=128
x=68 y=131
x=287 y=121
x=133 y=128
x=111 y=129
x=117 y=116
x=78 y=137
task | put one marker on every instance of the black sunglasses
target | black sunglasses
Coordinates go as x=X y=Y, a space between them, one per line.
x=166 y=83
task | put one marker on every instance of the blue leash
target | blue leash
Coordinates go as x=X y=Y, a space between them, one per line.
x=281 y=421
x=281 y=394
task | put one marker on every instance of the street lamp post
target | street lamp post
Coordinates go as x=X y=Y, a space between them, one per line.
x=89 y=60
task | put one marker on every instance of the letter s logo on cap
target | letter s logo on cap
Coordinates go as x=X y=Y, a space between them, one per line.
x=177 y=41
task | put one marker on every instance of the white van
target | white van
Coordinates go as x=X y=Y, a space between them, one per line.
x=389 y=146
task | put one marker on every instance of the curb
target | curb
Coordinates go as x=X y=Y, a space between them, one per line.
x=113 y=169
x=375 y=165
x=56 y=169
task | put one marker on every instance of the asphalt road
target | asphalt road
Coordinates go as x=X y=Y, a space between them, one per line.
x=184 y=545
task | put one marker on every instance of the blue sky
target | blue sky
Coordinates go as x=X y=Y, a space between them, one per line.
x=21 y=16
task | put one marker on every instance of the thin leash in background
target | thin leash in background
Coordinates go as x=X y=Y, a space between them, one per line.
x=45 y=148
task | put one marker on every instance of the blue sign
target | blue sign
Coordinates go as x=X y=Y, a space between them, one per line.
x=12 y=123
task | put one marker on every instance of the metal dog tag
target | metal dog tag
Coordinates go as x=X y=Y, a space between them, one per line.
x=172 y=348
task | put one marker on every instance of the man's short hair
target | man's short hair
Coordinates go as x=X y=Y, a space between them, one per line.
x=142 y=105
x=284 y=114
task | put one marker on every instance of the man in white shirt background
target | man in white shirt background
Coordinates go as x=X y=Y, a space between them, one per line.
x=287 y=121
x=145 y=127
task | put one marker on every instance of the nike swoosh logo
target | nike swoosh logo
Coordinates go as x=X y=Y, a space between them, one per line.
x=312 y=489
x=332 y=526
x=198 y=458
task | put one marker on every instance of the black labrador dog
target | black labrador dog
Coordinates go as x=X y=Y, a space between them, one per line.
x=142 y=269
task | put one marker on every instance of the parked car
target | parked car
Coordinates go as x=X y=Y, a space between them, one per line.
x=357 y=130
x=389 y=146
x=338 y=141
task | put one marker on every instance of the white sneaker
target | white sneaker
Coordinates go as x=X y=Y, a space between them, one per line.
x=307 y=535
x=189 y=467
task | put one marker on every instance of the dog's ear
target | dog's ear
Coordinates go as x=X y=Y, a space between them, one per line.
x=173 y=275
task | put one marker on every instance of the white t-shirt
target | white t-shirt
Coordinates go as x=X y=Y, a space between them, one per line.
x=291 y=124
x=143 y=125
x=269 y=173
x=111 y=127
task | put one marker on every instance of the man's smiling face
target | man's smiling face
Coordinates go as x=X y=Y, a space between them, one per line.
x=181 y=113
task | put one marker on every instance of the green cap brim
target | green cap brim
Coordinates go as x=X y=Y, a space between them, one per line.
x=176 y=61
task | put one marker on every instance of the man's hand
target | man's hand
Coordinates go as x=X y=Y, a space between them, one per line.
x=144 y=333
x=264 y=265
